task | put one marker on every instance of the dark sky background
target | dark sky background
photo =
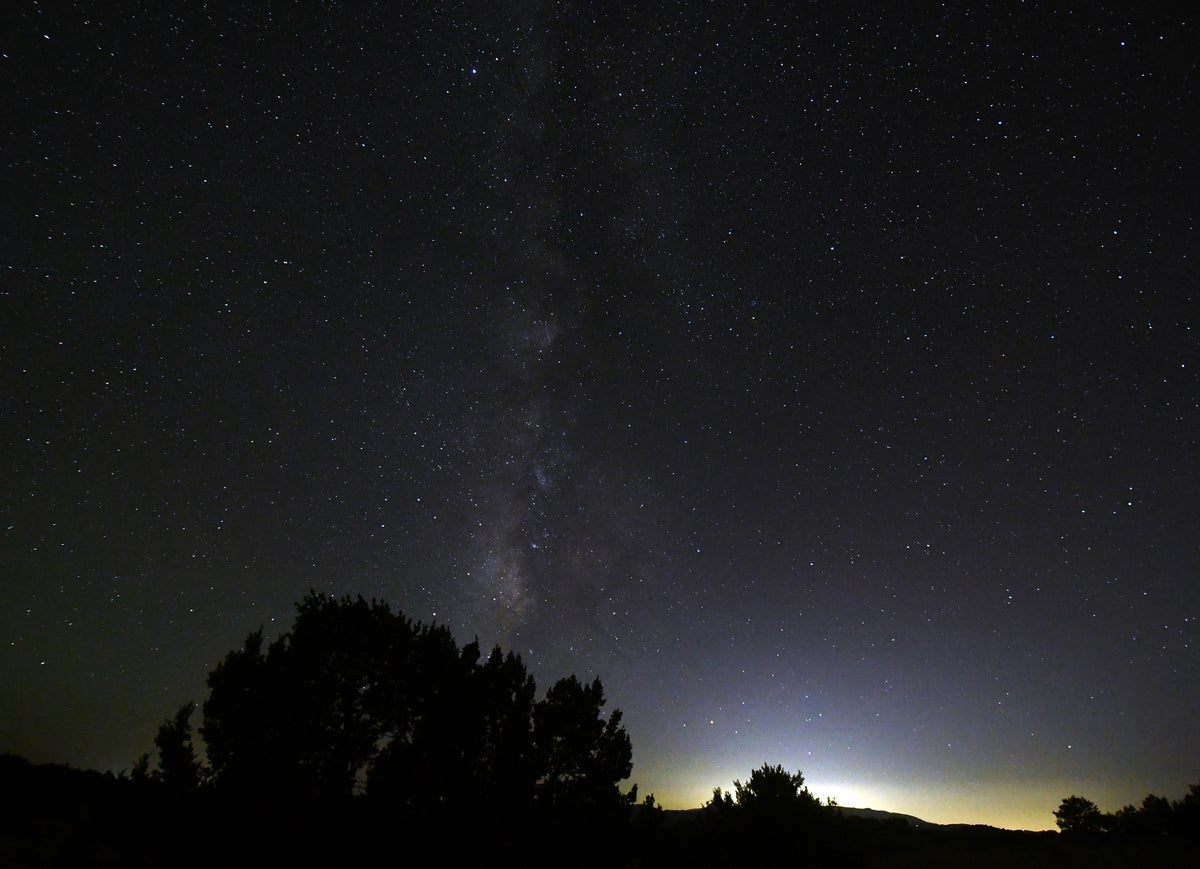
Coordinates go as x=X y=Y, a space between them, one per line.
x=822 y=376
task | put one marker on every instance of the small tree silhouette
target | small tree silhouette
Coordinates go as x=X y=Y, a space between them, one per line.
x=1187 y=814
x=721 y=802
x=178 y=769
x=772 y=788
x=1077 y=814
x=582 y=757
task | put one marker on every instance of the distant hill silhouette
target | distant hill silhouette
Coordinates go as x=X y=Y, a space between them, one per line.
x=672 y=816
x=880 y=815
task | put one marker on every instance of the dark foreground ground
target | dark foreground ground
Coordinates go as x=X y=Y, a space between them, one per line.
x=987 y=848
x=52 y=815
x=874 y=844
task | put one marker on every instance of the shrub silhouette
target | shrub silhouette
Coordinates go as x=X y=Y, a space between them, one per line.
x=770 y=818
x=773 y=790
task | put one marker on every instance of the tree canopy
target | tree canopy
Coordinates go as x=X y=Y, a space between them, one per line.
x=178 y=768
x=1077 y=814
x=773 y=788
x=358 y=700
x=1156 y=817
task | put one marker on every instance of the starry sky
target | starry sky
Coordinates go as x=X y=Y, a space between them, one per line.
x=822 y=376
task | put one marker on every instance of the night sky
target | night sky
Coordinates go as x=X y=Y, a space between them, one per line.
x=821 y=376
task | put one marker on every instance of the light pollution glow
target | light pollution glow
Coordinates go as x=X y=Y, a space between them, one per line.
x=1004 y=801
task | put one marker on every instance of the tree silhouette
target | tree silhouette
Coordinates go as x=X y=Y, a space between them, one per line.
x=773 y=789
x=1155 y=816
x=769 y=819
x=721 y=802
x=1077 y=814
x=1187 y=814
x=581 y=756
x=140 y=772
x=245 y=725
x=358 y=700
x=504 y=766
x=178 y=769
x=308 y=716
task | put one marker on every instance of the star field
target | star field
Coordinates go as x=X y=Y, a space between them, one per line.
x=822 y=377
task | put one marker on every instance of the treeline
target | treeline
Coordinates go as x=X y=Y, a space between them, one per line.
x=1156 y=817
x=356 y=700
x=360 y=735
x=368 y=725
x=357 y=734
